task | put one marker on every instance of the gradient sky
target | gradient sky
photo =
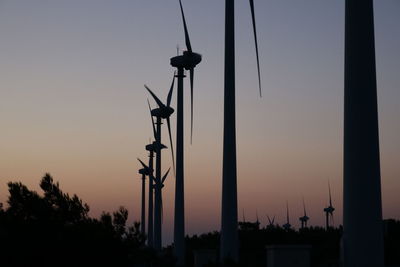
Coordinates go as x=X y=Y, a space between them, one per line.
x=72 y=102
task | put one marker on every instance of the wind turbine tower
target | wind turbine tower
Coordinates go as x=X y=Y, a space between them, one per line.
x=188 y=61
x=287 y=225
x=229 y=216
x=304 y=218
x=362 y=203
x=329 y=210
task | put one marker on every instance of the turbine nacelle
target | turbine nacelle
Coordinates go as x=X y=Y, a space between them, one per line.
x=329 y=209
x=151 y=147
x=188 y=60
x=304 y=218
x=145 y=171
x=162 y=112
x=286 y=226
x=157 y=145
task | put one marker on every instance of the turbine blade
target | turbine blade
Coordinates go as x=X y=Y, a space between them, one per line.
x=191 y=103
x=330 y=197
x=273 y=220
x=187 y=39
x=287 y=212
x=144 y=165
x=253 y=17
x=170 y=91
x=304 y=206
x=158 y=101
x=165 y=176
x=152 y=120
x=172 y=147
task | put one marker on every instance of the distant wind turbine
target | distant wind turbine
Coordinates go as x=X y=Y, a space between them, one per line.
x=303 y=219
x=162 y=112
x=145 y=171
x=150 y=217
x=287 y=225
x=187 y=61
x=229 y=217
x=271 y=222
x=362 y=200
x=329 y=210
x=257 y=220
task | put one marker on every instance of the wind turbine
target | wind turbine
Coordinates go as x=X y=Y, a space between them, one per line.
x=150 y=224
x=304 y=218
x=329 y=210
x=152 y=148
x=257 y=221
x=271 y=222
x=145 y=171
x=287 y=225
x=229 y=217
x=187 y=61
x=162 y=112
x=362 y=201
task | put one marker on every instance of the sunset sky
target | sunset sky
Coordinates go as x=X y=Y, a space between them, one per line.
x=72 y=103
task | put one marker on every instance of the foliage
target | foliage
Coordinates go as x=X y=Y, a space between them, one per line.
x=54 y=229
x=325 y=244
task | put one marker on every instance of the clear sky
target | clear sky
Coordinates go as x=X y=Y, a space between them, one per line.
x=72 y=102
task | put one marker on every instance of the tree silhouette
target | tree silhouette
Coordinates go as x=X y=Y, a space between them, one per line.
x=54 y=229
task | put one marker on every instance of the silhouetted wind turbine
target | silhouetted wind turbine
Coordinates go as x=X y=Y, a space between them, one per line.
x=304 y=218
x=162 y=112
x=145 y=171
x=188 y=61
x=229 y=217
x=152 y=148
x=287 y=225
x=362 y=202
x=257 y=221
x=271 y=222
x=330 y=209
